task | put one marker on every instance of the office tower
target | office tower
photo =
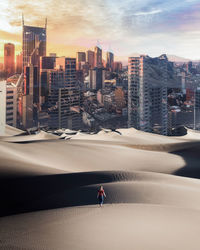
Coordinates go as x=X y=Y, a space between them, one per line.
x=117 y=67
x=11 y=104
x=90 y=58
x=64 y=98
x=109 y=61
x=34 y=45
x=30 y=96
x=182 y=80
x=47 y=62
x=80 y=60
x=15 y=89
x=9 y=59
x=147 y=93
x=1 y=67
x=80 y=76
x=119 y=98
x=96 y=78
x=97 y=57
x=80 y=57
x=189 y=67
x=19 y=61
x=196 y=108
x=2 y=107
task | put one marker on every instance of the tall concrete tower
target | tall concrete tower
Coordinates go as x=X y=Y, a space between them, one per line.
x=147 y=94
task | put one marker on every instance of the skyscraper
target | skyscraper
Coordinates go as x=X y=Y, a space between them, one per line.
x=97 y=57
x=96 y=78
x=11 y=104
x=109 y=60
x=117 y=66
x=34 y=44
x=2 y=106
x=147 y=94
x=9 y=59
x=19 y=60
x=47 y=62
x=33 y=47
x=64 y=97
x=30 y=97
x=90 y=58
x=80 y=58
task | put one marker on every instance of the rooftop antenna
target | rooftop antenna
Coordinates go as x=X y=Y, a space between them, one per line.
x=110 y=49
x=22 y=19
x=45 y=22
x=98 y=44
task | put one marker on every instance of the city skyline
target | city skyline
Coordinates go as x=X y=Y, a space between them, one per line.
x=150 y=27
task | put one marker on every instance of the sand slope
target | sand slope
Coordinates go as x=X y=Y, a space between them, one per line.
x=132 y=226
x=151 y=203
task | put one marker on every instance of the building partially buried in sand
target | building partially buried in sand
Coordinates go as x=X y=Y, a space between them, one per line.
x=2 y=106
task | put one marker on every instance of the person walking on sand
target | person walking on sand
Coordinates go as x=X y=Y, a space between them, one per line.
x=100 y=195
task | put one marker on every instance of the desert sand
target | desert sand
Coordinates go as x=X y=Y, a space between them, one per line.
x=49 y=185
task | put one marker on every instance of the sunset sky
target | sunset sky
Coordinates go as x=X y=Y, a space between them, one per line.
x=126 y=26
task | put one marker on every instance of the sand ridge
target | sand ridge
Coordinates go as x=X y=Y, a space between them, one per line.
x=151 y=202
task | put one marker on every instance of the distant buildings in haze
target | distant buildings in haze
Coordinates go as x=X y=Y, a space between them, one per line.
x=9 y=59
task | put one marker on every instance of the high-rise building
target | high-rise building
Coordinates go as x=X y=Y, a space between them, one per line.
x=97 y=57
x=117 y=67
x=19 y=62
x=2 y=107
x=96 y=78
x=30 y=97
x=119 y=98
x=147 y=94
x=197 y=108
x=34 y=45
x=189 y=67
x=90 y=58
x=9 y=59
x=11 y=104
x=109 y=60
x=1 y=67
x=47 y=62
x=80 y=60
x=80 y=57
x=64 y=98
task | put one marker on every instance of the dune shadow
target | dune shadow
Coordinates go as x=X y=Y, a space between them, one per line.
x=27 y=194
x=191 y=157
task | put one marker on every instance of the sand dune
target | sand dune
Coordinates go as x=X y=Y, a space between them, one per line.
x=124 y=226
x=151 y=202
x=40 y=136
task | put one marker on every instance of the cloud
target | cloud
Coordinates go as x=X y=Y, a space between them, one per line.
x=152 y=12
x=148 y=25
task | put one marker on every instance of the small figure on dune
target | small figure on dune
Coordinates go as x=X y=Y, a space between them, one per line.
x=101 y=194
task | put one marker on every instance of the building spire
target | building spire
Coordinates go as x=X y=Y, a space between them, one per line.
x=98 y=44
x=22 y=19
x=45 y=22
